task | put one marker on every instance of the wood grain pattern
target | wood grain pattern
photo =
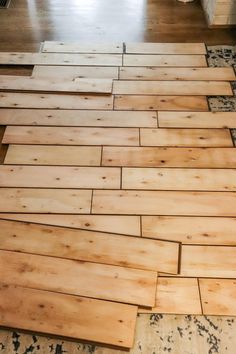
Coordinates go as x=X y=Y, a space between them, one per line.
x=165 y=48
x=81 y=47
x=162 y=60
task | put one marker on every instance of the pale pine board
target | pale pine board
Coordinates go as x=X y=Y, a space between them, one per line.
x=162 y=60
x=14 y=58
x=71 y=136
x=169 y=157
x=66 y=276
x=59 y=177
x=165 y=48
x=164 y=203
x=63 y=315
x=128 y=225
x=175 y=179
x=218 y=296
x=90 y=246
x=53 y=155
x=186 y=137
x=29 y=200
x=189 y=88
x=81 y=47
x=197 y=119
x=176 y=296
x=188 y=74
x=55 y=101
x=161 y=103
x=208 y=261
x=77 y=118
x=191 y=229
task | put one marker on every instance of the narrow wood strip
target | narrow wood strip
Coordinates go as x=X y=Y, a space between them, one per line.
x=80 y=47
x=165 y=48
x=71 y=136
x=90 y=246
x=63 y=315
x=164 y=203
x=163 y=60
x=197 y=119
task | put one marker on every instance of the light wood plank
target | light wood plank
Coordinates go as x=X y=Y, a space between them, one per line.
x=161 y=60
x=71 y=136
x=169 y=157
x=20 y=200
x=59 y=314
x=66 y=276
x=161 y=103
x=55 y=101
x=165 y=48
x=218 y=296
x=208 y=261
x=191 y=230
x=59 y=177
x=90 y=246
x=188 y=74
x=81 y=47
x=164 y=203
x=77 y=118
x=189 y=88
x=186 y=137
x=176 y=296
x=197 y=119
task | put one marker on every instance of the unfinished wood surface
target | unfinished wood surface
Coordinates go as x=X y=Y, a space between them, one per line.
x=128 y=225
x=218 y=296
x=77 y=118
x=158 y=60
x=63 y=315
x=66 y=276
x=208 y=261
x=171 y=179
x=169 y=157
x=29 y=200
x=164 y=203
x=186 y=137
x=71 y=136
x=165 y=48
x=197 y=119
x=160 y=103
x=21 y=58
x=155 y=73
x=90 y=246
x=81 y=47
x=176 y=296
x=55 y=101
x=189 y=88
x=191 y=229
x=53 y=155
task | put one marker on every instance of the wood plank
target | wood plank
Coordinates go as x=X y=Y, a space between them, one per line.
x=155 y=73
x=189 y=88
x=164 y=203
x=14 y=58
x=59 y=177
x=105 y=248
x=53 y=155
x=71 y=136
x=122 y=224
x=174 y=179
x=23 y=200
x=160 y=60
x=161 y=103
x=197 y=119
x=191 y=229
x=66 y=276
x=169 y=157
x=186 y=137
x=218 y=296
x=176 y=296
x=77 y=118
x=165 y=48
x=55 y=101
x=63 y=315
x=81 y=47
x=208 y=261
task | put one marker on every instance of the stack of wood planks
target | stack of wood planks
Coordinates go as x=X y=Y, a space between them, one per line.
x=117 y=189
